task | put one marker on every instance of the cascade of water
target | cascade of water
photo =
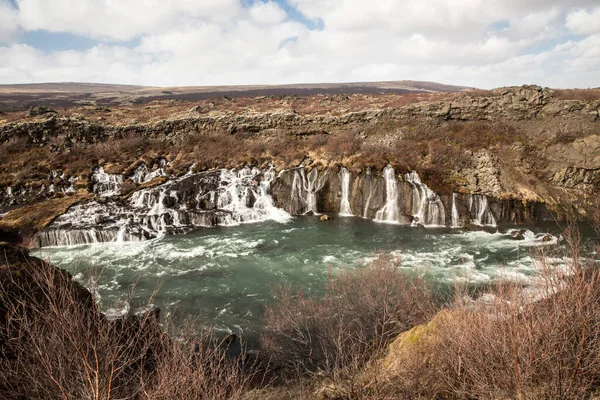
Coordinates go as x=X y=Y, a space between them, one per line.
x=345 y=209
x=305 y=188
x=142 y=174
x=227 y=197
x=106 y=184
x=246 y=198
x=389 y=212
x=121 y=233
x=455 y=215
x=368 y=201
x=312 y=185
x=480 y=211
x=264 y=201
x=429 y=207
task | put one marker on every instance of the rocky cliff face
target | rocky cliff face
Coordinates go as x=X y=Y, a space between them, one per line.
x=231 y=197
x=512 y=155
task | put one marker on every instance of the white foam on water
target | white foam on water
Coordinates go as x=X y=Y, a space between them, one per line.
x=329 y=259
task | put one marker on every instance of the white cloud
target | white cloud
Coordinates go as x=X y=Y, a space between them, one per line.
x=8 y=21
x=120 y=20
x=268 y=13
x=482 y=43
x=584 y=22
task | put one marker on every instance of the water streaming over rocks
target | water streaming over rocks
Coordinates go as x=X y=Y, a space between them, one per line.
x=192 y=201
x=345 y=209
x=389 y=212
x=428 y=205
x=56 y=183
x=455 y=216
x=106 y=184
x=247 y=195
x=142 y=174
x=305 y=187
x=369 y=190
x=480 y=211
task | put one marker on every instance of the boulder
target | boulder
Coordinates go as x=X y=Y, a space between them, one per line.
x=325 y=217
x=37 y=111
x=518 y=234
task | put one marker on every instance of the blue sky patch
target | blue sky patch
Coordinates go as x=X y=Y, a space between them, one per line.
x=500 y=25
x=62 y=41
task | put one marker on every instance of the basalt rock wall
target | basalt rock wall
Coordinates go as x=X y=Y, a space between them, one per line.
x=232 y=197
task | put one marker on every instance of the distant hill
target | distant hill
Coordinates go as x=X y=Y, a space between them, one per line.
x=68 y=94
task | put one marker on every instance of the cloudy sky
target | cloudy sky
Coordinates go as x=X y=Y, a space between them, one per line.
x=482 y=43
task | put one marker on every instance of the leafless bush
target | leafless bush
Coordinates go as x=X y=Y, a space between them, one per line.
x=541 y=342
x=359 y=313
x=343 y=144
x=55 y=344
x=197 y=367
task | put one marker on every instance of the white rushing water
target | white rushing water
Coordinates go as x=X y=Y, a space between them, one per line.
x=305 y=188
x=226 y=197
x=345 y=209
x=480 y=211
x=429 y=207
x=246 y=200
x=389 y=212
x=368 y=201
x=142 y=174
x=106 y=184
x=233 y=197
x=455 y=215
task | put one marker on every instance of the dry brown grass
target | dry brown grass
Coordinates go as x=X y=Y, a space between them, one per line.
x=31 y=218
x=577 y=94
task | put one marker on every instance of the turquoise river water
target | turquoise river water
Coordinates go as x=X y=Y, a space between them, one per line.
x=226 y=275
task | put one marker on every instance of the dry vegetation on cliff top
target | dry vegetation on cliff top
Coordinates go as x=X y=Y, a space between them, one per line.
x=33 y=217
x=375 y=334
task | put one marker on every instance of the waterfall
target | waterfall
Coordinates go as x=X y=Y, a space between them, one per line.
x=84 y=224
x=264 y=201
x=389 y=212
x=225 y=197
x=312 y=185
x=368 y=201
x=429 y=207
x=345 y=209
x=142 y=174
x=480 y=212
x=246 y=199
x=106 y=184
x=455 y=215
x=305 y=188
